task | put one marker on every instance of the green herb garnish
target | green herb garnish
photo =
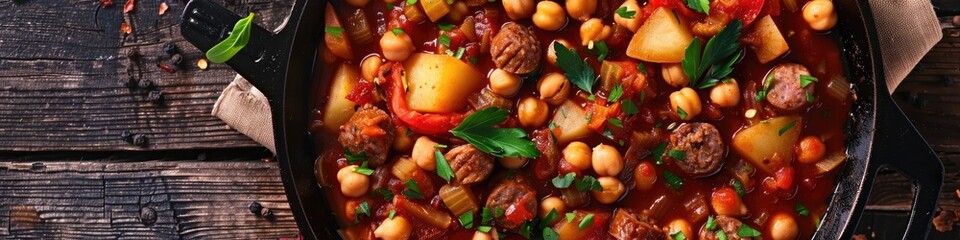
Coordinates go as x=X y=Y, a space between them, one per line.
x=658 y=152
x=615 y=122
x=413 y=190
x=807 y=80
x=673 y=180
x=486 y=216
x=629 y=107
x=478 y=129
x=681 y=113
x=624 y=13
x=549 y=234
x=642 y=68
x=392 y=213
x=615 y=93
x=786 y=128
x=809 y=97
x=485 y=229
x=525 y=230
x=721 y=235
x=739 y=187
x=701 y=6
x=551 y=216
x=363 y=169
x=802 y=210
x=599 y=49
x=586 y=222
x=354 y=158
x=239 y=37
x=564 y=181
x=385 y=194
x=716 y=60
x=411 y=2
x=443 y=167
x=444 y=39
x=680 y=155
x=678 y=236
x=363 y=209
x=335 y=31
x=746 y=231
x=575 y=68
x=588 y=183
x=762 y=93
x=570 y=216
x=397 y=31
x=711 y=223
x=466 y=219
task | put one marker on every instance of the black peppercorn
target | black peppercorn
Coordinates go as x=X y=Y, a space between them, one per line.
x=127 y=136
x=140 y=139
x=170 y=48
x=176 y=60
x=155 y=96
x=148 y=215
x=266 y=213
x=255 y=207
x=145 y=84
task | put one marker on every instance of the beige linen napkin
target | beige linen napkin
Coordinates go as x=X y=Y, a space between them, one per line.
x=907 y=30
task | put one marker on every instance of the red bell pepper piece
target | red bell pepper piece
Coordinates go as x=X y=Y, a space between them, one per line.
x=422 y=123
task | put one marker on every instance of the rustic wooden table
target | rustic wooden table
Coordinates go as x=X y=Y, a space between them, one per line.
x=65 y=102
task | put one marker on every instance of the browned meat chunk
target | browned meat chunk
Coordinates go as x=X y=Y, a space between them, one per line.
x=785 y=91
x=486 y=98
x=518 y=201
x=516 y=49
x=369 y=131
x=545 y=166
x=626 y=225
x=729 y=225
x=469 y=165
x=700 y=146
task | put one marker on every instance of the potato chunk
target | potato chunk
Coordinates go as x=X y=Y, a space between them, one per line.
x=770 y=43
x=571 y=123
x=768 y=145
x=662 y=39
x=338 y=109
x=440 y=83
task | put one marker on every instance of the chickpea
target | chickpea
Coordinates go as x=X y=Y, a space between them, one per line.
x=550 y=204
x=578 y=155
x=396 y=47
x=679 y=225
x=726 y=201
x=504 y=83
x=593 y=30
x=633 y=23
x=673 y=74
x=726 y=93
x=554 y=88
x=552 y=52
x=606 y=160
x=403 y=141
x=810 y=150
x=612 y=190
x=581 y=9
x=458 y=11
x=358 y=3
x=532 y=112
x=518 y=9
x=513 y=162
x=819 y=14
x=397 y=228
x=783 y=226
x=549 y=16
x=352 y=184
x=424 y=153
x=370 y=67
x=686 y=99
x=645 y=175
x=478 y=235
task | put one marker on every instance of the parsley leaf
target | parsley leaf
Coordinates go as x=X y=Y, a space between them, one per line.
x=672 y=179
x=363 y=209
x=354 y=158
x=677 y=154
x=397 y=31
x=588 y=183
x=716 y=60
x=746 y=231
x=478 y=129
x=802 y=210
x=466 y=219
x=681 y=113
x=658 y=152
x=711 y=223
x=615 y=93
x=363 y=169
x=549 y=234
x=575 y=68
x=386 y=194
x=486 y=216
x=701 y=6
x=586 y=221
x=739 y=187
x=444 y=39
x=629 y=107
x=786 y=128
x=564 y=181
x=413 y=190
x=443 y=167
x=335 y=31
x=678 y=236
x=599 y=49
x=615 y=122
x=624 y=13
x=807 y=80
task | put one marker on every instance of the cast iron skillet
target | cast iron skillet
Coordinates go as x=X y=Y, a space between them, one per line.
x=281 y=65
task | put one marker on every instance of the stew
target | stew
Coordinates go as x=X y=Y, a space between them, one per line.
x=580 y=119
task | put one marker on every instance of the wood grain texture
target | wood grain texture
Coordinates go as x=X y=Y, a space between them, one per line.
x=103 y=200
x=62 y=78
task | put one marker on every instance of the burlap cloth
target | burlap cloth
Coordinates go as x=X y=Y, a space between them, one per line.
x=907 y=30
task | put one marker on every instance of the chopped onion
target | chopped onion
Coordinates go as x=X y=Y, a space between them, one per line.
x=459 y=199
x=403 y=169
x=427 y=214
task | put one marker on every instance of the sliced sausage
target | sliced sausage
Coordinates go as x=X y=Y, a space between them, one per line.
x=369 y=131
x=486 y=98
x=785 y=91
x=545 y=166
x=518 y=201
x=701 y=146
x=730 y=226
x=469 y=164
x=516 y=49
x=627 y=225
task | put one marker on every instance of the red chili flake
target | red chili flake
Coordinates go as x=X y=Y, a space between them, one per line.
x=106 y=3
x=166 y=68
x=125 y=28
x=163 y=8
x=128 y=7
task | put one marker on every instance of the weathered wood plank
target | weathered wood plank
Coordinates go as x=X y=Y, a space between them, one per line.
x=98 y=200
x=62 y=78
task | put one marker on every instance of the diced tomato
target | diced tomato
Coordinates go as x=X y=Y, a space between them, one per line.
x=773 y=7
x=784 y=178
x=423 y=181
x=545 y=165
x=363 y=93
x=565 y=167
x=600 y=112
x=745 y=10
x=517 y=214
x=422 y=123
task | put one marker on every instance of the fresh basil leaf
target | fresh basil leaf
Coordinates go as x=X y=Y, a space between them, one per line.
x=478 y=129
x=239 y=37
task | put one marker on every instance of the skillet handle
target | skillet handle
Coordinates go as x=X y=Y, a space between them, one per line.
x=205 y=23
x=898 y=145
x=946 y=8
